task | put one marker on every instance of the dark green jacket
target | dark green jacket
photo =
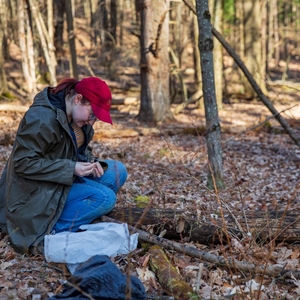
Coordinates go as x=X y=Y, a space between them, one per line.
x=39 y=173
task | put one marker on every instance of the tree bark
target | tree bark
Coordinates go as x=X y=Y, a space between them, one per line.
x=59 y=10
x=154 y=42
x=278 y=226
x=218 y=54
x=196 y=59
x=100 y=21
x=3 y=81
x=50 y=37
x=26 y=46
x=276 y=31
x=45 y=42
x=71 y=38
x=113 y=22
x=213 y=128
x=252 y=34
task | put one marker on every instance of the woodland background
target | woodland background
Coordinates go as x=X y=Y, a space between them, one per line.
x=160 y=133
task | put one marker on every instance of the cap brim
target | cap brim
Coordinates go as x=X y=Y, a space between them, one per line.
x=101 y=113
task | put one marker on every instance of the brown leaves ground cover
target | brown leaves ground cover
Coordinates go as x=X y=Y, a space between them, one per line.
x=168 y=166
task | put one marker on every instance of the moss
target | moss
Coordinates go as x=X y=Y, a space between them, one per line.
x=168 y=276
x=141 y=201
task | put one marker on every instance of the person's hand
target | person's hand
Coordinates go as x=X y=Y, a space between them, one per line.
x=98 y=170
x=88 y=169
x=83 y=168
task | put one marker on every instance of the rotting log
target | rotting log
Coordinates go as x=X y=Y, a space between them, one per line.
x=168 y=276
x=276 y=271
x=208 y=227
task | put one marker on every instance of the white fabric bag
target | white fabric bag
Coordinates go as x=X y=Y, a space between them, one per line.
x=98 y=239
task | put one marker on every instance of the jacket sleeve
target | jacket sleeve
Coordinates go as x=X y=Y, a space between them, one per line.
x=43 y=150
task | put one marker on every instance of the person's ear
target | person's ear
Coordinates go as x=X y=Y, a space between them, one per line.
x=78 y=98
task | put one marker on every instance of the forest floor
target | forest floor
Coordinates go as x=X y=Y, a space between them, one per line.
x=167 y=165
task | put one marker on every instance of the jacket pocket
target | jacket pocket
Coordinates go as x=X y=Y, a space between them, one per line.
x=24 y=189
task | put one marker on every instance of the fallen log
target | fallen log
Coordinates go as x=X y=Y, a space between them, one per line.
x=168 y=276
x=275 y=271
x=208 y=228
x=13 y=107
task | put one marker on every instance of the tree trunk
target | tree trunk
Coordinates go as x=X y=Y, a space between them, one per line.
x=102 y=22
x=264 y=60
x=270 y=37
x=87 y=7
x=5 y=20
x=3 y=81
x=218 y=54
x=154 y=41
x=276 y=31
x=196 y=60
x=252 y=34
x=71 y=38
x=26 y=46
x=208 y=228
x=240 y=38
x=113 y=22
x=121 y=20
x=50 y=11
x=213 y=128
x=59 y=10
x=45 y=42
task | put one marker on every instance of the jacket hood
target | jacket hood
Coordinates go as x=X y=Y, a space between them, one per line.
x=44 y=98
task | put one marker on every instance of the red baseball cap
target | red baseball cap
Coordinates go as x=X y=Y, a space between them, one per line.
x=98 y=93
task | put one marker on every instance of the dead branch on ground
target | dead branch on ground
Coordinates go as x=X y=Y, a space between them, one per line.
x=275 y=271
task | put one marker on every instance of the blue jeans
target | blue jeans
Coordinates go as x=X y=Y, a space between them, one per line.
x=92 y=198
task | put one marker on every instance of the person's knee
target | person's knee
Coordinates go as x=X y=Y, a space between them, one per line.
x=121 y=172
x=110 y=202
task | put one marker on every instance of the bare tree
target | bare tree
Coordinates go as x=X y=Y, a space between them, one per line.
x=154 y=41
x=213 y=129
x=113 y=21
x=253 y=45
x=47 y=45
x=50 y=38
x=3 y=81
x=218 y=52
x=26 y=46
x=71 y=38
x=101 y=19
x=59 y=10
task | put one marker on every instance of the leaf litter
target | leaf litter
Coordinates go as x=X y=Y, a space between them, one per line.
x=169 y=166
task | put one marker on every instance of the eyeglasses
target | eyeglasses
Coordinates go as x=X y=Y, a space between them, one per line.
x=92 y=117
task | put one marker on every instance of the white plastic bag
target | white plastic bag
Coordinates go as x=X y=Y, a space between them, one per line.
x=98 y=239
